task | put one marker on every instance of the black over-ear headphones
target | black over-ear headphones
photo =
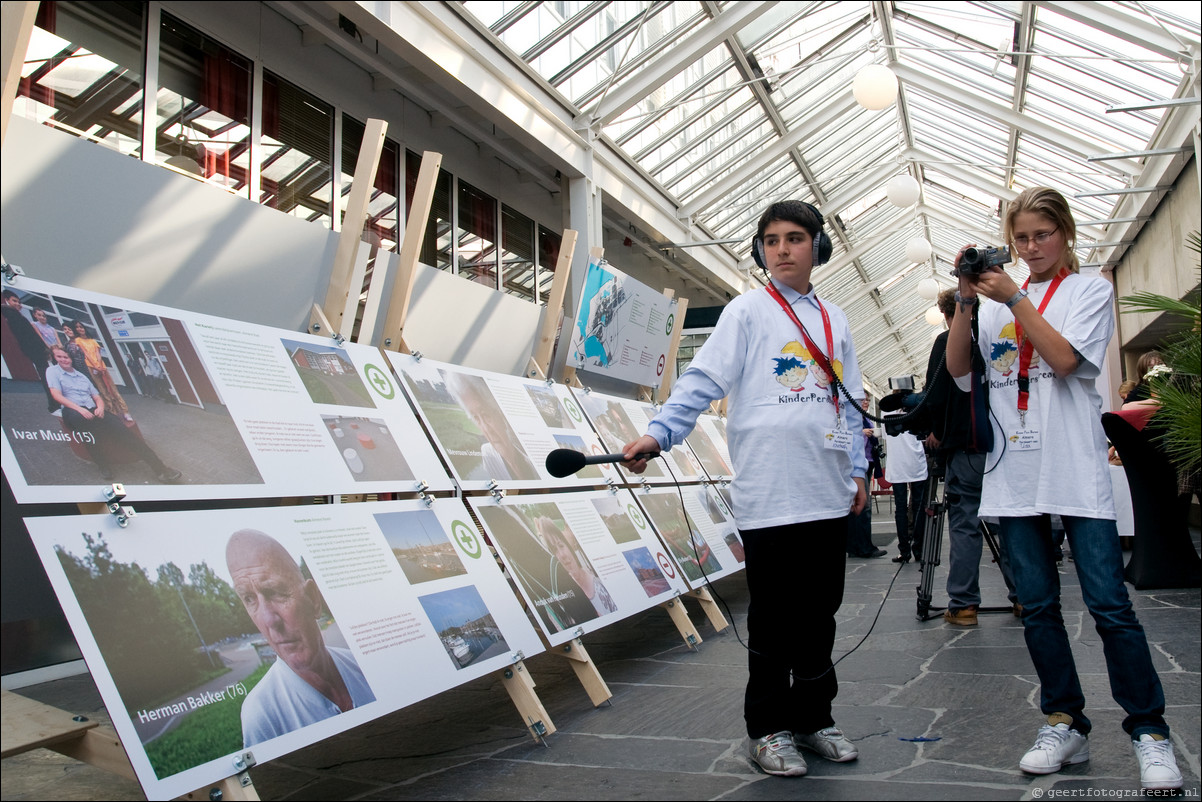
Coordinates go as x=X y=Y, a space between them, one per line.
x=822 y=243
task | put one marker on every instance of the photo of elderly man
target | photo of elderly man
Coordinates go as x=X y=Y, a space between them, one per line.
x=309 y=681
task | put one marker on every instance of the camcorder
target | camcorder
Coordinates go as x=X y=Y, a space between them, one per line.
x=914 y=418
x=975 y=261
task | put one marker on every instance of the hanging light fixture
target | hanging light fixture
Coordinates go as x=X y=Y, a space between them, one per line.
x=918 y=250
x=874 y=87
x=902 y=190
x=934 y=316
x=928 y=289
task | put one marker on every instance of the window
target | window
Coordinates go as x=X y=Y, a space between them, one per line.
x=297 y=152
x=382 y=227
x=549 y=243
x=83 y=72
x=476 y=248
x=436 y=246
x=203 y=124
x=517 y=254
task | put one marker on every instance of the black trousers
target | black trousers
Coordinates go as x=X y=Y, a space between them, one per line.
x=909 y=514
x=110 y=429
x=795 y=583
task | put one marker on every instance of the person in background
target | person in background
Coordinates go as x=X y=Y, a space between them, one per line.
x=48 y=333
x=99 y=372
x=84 y=411
x=960 y=448
x=859 y=527
x=29 y=341
x=1142 y=391
x=906 y=470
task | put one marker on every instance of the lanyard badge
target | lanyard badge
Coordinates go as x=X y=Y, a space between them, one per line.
x=1026 y=349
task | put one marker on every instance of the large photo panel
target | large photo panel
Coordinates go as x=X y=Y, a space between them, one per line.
x=623 y=327
x=580 y=560
x=175 y=405
x=701 y=536
x=619 y=421
x=709 y=446
x=269 y=629
x=495 y=428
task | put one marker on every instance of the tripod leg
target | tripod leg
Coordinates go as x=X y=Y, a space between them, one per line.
x=932 y=544
x=995 y=548
x=991 y=541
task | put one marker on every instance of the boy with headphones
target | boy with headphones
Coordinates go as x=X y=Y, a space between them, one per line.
x=799 y=463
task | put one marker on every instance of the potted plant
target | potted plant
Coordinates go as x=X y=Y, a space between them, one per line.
x=1178 y=389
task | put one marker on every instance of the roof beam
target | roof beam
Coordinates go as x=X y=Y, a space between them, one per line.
x=1056 y=136
x=1023 y=44
x=1128 y=27
x=675 y=59
x=862 y=185
x=721 y=190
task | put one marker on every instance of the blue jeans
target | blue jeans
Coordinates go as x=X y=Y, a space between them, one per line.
x=1134 y=683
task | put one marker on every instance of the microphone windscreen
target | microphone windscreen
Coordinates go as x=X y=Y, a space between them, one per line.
x=564 y=461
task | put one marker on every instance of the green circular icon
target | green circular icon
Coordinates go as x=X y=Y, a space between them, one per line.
x=466 y=539
x=636 y=516
x=572 y=409
x=671 y=322
x=378 y=380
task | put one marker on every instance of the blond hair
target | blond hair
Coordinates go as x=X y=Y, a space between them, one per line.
x=1048 y=203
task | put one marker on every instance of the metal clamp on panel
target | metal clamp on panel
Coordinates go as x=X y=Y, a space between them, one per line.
x=114 y=494
x=11 y=272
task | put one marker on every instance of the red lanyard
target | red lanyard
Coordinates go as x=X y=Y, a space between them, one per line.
x=1026 y=349
x=820 y=358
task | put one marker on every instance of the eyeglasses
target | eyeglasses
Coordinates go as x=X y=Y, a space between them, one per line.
x=1039 y=239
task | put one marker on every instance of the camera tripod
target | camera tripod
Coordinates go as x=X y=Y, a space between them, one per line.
x=932 y=546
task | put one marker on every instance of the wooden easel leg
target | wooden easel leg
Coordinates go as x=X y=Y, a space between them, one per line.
x=101 y=748
x=586 y=672
x=680 y=618
x=710 y=608
x=520 y=685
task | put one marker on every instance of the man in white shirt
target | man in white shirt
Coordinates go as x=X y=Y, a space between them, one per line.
x=310 y=681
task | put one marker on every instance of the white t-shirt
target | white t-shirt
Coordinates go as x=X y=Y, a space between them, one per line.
x=780 y=413
x=905 y=459
x=282 y=702
x=1068 y=474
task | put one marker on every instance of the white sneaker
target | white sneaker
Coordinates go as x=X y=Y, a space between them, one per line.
x=1157 y=767
x=828 y=743
x=1055 y=747
x=777 y=755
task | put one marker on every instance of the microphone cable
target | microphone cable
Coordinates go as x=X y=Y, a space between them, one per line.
x=709 y=585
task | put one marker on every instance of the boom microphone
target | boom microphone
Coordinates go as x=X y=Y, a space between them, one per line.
x=564 y=461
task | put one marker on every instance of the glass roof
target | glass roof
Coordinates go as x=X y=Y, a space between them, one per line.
x=728 y=105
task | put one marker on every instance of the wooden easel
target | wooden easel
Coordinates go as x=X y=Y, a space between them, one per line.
x=26 y=724
x=675 y=607
x=336 y=317
x=539 y=367
x=411 y=246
